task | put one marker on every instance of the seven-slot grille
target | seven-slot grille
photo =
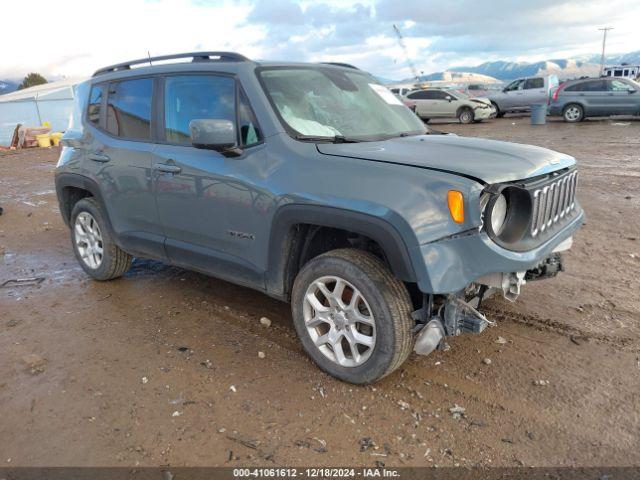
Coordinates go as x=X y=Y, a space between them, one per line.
x=553 y=202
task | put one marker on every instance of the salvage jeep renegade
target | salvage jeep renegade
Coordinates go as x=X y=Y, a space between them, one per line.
x=316 y=185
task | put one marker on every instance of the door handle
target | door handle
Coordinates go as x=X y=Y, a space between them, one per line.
x=163 y=167
x=98 y=157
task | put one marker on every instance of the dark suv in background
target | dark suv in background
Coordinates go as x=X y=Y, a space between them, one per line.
x=595 y=97
x=314 y=184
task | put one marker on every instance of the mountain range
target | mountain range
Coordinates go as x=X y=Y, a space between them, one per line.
x=7 y=86
x=586 y=65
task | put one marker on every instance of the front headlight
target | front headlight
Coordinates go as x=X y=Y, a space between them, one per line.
x=498 y=214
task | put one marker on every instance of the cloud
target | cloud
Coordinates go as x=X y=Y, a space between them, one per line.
x=77 y=37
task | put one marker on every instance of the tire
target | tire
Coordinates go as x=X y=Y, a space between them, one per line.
x=499 y=114
x=465 y=115
x=573 y=113
x=93 y=244
x=380 y=298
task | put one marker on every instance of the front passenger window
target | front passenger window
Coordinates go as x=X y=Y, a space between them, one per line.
x=191 y=97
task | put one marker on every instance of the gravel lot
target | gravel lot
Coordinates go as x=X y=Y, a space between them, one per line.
x=162 y=367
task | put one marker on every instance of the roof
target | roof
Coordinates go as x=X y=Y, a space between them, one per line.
x=54 y=90
x=198 y=58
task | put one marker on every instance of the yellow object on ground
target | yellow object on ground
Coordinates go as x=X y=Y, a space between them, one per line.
x=44 y=140
x=55 y=138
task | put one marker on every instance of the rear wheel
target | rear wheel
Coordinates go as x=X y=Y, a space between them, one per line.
x=352 y=315
x=573 y=113
x=93 y=245
x=465 y=115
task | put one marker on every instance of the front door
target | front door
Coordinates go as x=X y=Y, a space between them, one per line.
x=513 y=95
x=622 y=101
x=208 y=203
x=534 y=91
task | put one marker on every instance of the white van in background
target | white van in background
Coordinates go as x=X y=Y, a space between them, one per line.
x=518 y=95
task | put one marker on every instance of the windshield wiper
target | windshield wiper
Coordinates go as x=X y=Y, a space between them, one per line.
x=333 y=139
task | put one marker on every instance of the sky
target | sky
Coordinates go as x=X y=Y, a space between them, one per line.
x=72 y=38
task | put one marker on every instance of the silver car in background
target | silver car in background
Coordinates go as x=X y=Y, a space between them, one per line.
x=519 y=95
x=595 y=97
x=431 y=103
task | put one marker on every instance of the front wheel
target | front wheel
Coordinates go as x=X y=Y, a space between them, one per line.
x=573 y=113
x=499 y=114
x=466 y=116
x=352 y=315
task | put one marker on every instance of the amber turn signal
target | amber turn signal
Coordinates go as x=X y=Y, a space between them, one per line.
x=455 y=200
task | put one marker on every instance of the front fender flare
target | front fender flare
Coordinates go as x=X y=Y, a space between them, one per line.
x=390 y=231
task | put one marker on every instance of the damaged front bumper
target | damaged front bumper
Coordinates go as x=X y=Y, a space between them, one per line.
x=450 y=264
x=452 y=314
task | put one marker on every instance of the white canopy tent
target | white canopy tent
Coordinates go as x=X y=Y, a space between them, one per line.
x=51 y=102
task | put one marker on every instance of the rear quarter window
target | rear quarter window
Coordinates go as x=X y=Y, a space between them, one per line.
x=95 y=104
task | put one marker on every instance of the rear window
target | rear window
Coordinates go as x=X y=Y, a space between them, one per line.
x=129 y=109
x=95 y=104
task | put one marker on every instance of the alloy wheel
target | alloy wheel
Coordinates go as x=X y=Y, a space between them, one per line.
x=339 y=321
x=88 y=240
x=572 y=114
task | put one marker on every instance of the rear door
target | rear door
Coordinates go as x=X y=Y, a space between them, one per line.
x=421 y=99
x=121 y=157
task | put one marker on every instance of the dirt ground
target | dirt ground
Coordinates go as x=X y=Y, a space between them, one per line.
x=161 y=367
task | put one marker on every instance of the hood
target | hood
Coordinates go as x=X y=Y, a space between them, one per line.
x=484 y=100
x=488 y=161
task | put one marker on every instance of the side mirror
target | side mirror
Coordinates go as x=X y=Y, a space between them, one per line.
x=632 y=90
x=448 y=98
x=214 y=134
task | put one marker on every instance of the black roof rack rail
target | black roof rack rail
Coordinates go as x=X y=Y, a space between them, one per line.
x=340 y=64
x=195 y=56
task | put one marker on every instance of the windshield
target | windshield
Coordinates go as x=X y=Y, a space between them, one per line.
x=332 y=103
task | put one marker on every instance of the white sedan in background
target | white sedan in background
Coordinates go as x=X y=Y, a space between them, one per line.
x=431 y=103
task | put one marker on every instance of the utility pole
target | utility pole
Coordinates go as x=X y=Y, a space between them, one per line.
x=604 y=42
x=414 y=71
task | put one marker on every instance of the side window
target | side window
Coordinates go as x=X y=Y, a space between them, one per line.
x=516 y=85
x=95 y=104
x=196 y=97
x=597 y=86
x=533 y=83
x=578 y=87
x=395 y=90
x=419 y=95
x=437 y=95
x=249 y=131
x=129 y=109
x=618 y=86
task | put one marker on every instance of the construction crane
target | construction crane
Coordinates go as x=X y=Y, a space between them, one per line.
x=414 y=71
